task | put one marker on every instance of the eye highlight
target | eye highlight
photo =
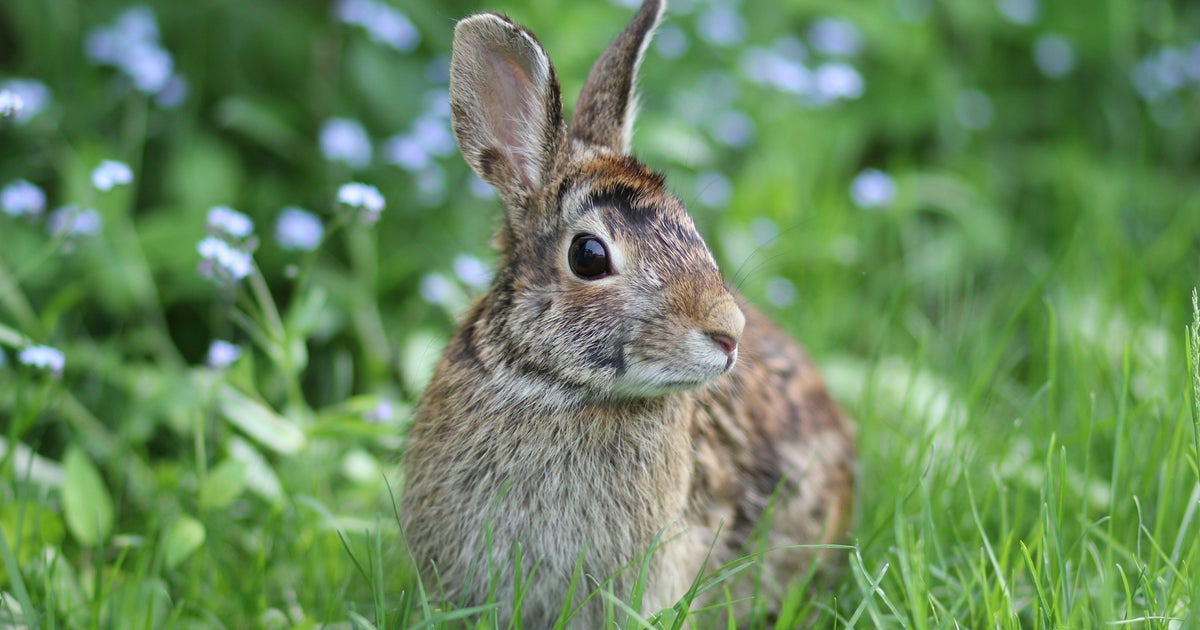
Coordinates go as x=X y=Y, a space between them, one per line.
x=589 y=258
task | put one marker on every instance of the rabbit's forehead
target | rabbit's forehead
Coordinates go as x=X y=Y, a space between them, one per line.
x=630 y=200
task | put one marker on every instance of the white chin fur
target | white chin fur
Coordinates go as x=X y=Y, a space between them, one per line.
x=696 y=361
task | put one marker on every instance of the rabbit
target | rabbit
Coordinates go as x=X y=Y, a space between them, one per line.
x=609 y=412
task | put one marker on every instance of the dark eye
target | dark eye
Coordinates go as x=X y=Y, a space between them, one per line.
x=589 y=257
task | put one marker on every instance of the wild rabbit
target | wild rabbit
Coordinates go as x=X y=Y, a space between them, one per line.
x=609 y=395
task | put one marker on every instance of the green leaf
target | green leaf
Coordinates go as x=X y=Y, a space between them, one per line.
x=87 y=505
x=260 y=476
x=12 y=338
x=183 y=538
x=260 y=422
x=224 y=484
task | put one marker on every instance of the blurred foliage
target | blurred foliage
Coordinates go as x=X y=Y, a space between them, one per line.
x=971 y=212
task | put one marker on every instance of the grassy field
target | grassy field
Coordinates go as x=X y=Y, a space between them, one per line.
x=983 y=219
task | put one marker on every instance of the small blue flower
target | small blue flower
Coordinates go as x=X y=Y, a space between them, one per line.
x=44 y=358
x=471 y=271
x=835 y=37
x=435 y=288
x=670 y=41
x=363 y=197
x=72 y=221
x=1054 y=56
x=3 y=358
x=1024 y=12
x=731 y=128
x=837 y=80
x=223 y=220
x=764 y=231
x=222 y=262
x=433 y=134
x=770 y=68
x=33 y=97
x=382 y=412
x=406 y=152
x=173 y=93
x=780 y=291
x=131 y=45
x=11 y=104
x=872 y=188
x=22 y=198
x=345 y=140
x=221 y=354
x=298 y=229
x=111 y=173
x=479 y=188
x=383 y=23
x=713 y=189
x=722 y=25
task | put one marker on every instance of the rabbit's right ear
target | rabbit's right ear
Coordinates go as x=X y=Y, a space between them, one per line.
x=505 y=105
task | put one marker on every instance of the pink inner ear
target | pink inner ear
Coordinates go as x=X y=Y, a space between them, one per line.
x=510 y=105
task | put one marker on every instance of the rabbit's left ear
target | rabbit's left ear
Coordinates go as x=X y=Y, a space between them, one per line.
x=505 y=106
x=606 y=108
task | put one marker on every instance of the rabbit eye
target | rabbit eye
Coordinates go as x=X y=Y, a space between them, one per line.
x=589 y=257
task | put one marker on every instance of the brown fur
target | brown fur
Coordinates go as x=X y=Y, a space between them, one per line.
x=579 y=420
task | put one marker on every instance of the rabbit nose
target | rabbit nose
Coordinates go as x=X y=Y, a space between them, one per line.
x=724 y=342
x=725 y=324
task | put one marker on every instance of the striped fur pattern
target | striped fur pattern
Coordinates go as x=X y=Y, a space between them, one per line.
x=579 y=419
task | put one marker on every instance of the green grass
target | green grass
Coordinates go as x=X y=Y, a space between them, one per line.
x=1015 y=331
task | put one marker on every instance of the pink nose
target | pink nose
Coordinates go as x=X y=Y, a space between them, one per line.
x=727 y=344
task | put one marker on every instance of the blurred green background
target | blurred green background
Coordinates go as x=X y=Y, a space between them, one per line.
x=983 y=219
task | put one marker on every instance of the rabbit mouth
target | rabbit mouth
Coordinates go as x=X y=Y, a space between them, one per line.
x=653 y=378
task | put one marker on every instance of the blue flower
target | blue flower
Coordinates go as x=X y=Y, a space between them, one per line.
x=72 y=221
x=722 y=25
x=223 y=220
x=837 y=80
x=21 y=198
x=363 y=197
x=835 y=37
x=44 y=358
x=345 y=140
x=11 y=104
x=471 y=271
x=872 y=188
x=713 y=189
x=435 y=288
x=223 y=262
x=221 y=354
x=382 y=412
x=382 y=23
x=670 y=41
x=131 y=45
x=1054 y=56
x=298 y=230
x=111 y=173
x=1024 y=12
x=780 y=291
x=406 y=152
x=764 y=231
x=32 y=97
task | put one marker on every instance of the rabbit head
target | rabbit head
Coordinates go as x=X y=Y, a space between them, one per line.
x=605 y=289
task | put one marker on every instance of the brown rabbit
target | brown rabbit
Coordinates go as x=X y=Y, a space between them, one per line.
x=610 y=395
